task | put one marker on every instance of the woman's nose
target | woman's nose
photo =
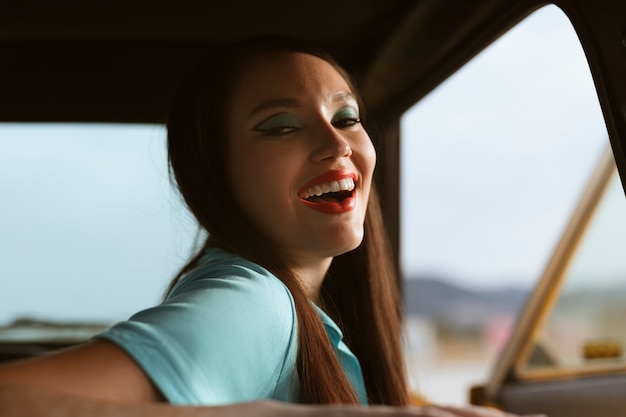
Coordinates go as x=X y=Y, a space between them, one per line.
x=330 y=144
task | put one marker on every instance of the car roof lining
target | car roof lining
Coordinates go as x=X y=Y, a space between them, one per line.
x=113 y=61
x=118 y=62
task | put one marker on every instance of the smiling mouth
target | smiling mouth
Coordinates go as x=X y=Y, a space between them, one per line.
x=333 y=197
x=332 y=192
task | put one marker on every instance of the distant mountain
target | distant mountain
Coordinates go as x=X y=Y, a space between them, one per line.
x=442 y=301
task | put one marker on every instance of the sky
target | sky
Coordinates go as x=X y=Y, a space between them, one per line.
x=496 y=157
x=89 y=215
x=492 y=163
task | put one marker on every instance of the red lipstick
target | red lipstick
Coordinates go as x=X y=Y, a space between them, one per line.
x=330 y=206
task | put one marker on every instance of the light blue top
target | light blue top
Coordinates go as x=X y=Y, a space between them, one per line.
x=226 y=333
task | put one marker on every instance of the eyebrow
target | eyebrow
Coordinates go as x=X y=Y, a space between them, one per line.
x=281 y=102
x=342 y=96
x=292 y=102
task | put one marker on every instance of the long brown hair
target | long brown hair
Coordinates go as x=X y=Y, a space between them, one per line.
x=360 y=292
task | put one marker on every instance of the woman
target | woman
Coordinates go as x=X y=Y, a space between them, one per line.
x=287 y=131
x=292 y=298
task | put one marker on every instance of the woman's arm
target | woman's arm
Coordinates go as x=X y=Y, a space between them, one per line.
x=98 y=379
x=33 y=402
x=96 y=370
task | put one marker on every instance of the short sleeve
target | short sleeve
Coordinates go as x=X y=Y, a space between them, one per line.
x=226 y=334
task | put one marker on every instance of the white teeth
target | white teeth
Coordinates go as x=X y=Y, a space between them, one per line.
x=346 y=184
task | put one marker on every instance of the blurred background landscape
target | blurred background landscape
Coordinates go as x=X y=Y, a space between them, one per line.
x=454 y=334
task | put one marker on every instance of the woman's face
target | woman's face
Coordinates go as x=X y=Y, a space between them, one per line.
x=300 y=161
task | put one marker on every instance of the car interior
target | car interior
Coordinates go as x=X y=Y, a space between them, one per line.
x=66 y=61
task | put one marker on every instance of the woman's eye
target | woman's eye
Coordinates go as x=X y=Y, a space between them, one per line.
x=278 y=131
x=344 y=123
x=346 y=117
x=278 y=125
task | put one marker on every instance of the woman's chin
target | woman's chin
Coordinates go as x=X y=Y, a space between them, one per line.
x=346 y=245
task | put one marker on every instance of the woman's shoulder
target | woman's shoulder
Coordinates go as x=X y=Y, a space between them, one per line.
x=225 y=333
x=224 y=272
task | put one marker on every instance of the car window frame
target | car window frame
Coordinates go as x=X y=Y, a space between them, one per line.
x=545 y=293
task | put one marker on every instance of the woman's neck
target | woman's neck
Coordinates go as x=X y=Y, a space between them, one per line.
x=311 y=276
